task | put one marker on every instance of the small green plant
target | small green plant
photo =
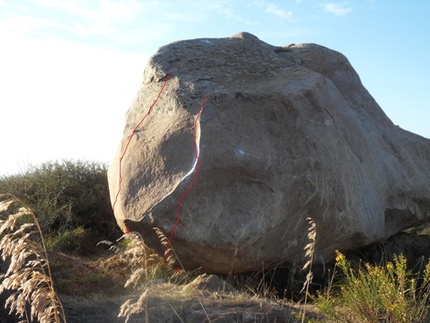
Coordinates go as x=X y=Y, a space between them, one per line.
x=28 y=277
x=375 y=294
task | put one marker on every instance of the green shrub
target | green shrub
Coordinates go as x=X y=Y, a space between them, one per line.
x=75 y=242
x=65 y=196
x=375 y=294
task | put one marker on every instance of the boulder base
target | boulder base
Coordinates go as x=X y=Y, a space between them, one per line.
x=285 y=133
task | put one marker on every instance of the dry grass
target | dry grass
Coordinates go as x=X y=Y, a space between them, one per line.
x=169 y=302
x=166 y=297
x=157 y=292
x=147 y=269
x=309 y=254
x=28 y=276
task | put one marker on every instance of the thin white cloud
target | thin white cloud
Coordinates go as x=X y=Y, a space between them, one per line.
x=26 y=24
x=102 y=9
x=230 y=13
x=227 y=10
x=99 y=18
x=275 y=10
x=337 y=8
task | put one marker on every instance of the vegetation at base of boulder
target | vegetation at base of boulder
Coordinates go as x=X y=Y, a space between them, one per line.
x=71 y=202
x=161 y=294
x=146 y=268
x=27 y=279
x=377 y=293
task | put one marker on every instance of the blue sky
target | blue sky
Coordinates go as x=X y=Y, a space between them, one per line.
x=69 y=69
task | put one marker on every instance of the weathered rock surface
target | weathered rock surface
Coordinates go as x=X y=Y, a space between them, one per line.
x=286 y=133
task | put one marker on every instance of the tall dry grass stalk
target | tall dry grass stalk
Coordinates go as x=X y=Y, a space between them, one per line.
x=309 y=254
x=170 y=253
x=28 y=277
x=146 y=268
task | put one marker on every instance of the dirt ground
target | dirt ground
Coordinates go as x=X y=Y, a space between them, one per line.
x=91 y=294
x=168 y=303
x=92 y=291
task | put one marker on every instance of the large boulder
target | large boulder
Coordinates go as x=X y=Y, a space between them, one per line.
x=286 y=133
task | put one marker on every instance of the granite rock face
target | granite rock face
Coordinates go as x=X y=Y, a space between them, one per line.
x=285 y=133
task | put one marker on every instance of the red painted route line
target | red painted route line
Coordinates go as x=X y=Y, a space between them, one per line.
x=166 y=78
x=196 y=154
